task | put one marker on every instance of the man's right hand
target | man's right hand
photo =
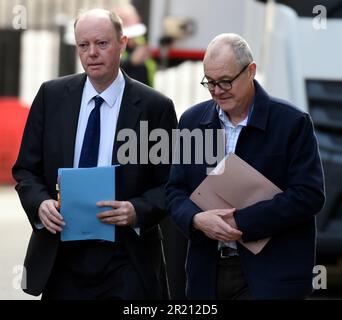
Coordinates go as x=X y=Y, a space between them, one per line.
x=214 y=224
x=50 y=217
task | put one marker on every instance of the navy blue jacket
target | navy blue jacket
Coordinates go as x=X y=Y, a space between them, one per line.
x=279 y=142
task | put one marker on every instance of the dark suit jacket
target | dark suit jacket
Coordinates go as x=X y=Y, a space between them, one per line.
x=48 y=144
x=279 y=142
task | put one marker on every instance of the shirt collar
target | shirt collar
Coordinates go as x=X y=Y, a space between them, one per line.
x=110 y=94
x=225 y=120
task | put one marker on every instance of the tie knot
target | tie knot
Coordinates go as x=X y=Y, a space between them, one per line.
x=98 y=101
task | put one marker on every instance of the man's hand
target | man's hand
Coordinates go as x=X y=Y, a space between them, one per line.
x=50 y=217
x=122 y=213
x=218 y=224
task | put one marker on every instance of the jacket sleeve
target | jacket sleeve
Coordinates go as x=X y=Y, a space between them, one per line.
x=150 y=206
x=28 y=169
x=181 y=208
x=303 y=196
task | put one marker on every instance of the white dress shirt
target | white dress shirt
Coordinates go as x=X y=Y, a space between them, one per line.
x=109 y=110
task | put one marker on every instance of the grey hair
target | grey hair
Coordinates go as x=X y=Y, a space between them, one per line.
x=114 y=18
x=239 y=45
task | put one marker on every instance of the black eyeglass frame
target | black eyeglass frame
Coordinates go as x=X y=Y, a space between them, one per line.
x=210 y=85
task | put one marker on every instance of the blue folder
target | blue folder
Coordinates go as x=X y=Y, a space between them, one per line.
x=80 y=189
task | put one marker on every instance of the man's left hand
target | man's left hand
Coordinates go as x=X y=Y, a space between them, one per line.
x=122 y=213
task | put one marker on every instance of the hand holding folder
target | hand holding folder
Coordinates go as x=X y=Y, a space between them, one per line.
x=80 y=189
x=235 y=184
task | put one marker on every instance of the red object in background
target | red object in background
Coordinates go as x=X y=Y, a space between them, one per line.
x=180 y=54
x=13 y=115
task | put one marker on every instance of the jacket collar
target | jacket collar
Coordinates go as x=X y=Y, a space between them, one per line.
x=210 y=118
x=261 y=108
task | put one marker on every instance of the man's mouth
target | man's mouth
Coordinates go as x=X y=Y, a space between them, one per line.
x=224 y=98
x=94 y=65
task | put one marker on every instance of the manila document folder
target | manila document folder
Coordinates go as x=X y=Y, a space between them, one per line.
x=235 y=184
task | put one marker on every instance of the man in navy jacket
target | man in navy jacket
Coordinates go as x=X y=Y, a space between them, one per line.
x=278 y=140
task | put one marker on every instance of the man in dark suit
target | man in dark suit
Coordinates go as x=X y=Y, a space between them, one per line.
x=130 y=268
x=278 y=140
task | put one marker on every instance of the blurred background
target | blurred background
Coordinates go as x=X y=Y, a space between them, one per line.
x=296 y=46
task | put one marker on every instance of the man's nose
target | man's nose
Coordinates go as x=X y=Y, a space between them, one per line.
x=218 y=89
x=93 y=50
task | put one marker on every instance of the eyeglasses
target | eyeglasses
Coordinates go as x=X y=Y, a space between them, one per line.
x=223 y=84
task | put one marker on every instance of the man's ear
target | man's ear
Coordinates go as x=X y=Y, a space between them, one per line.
x=252 y=70
x=123 y=44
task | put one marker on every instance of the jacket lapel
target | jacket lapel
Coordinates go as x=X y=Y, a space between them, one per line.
x=215 y=147
x=259 y=116
x=71 y=103
x=210 y=119
x=129 y=113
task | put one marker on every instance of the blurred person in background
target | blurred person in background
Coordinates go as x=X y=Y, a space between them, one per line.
x=131 y=267
x=136 y=61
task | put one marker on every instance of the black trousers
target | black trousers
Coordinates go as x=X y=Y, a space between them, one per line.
x=231 y=283
x=89 y=270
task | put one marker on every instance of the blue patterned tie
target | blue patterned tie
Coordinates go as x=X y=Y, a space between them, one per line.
x=91 y=140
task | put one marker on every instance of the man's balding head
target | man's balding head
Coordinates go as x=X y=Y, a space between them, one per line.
x=226 y=42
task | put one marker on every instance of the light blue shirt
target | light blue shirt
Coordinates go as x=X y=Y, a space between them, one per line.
x=231 y=132
x=231 y=136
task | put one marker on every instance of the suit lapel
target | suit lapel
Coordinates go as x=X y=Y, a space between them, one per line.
x=129 y=113
x=71 y=103
x=211 y=121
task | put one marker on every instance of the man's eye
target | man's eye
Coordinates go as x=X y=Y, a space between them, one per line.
x=83 y=46
x=103 y=44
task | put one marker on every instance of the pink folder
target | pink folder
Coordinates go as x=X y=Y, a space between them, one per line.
x=235 y=184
